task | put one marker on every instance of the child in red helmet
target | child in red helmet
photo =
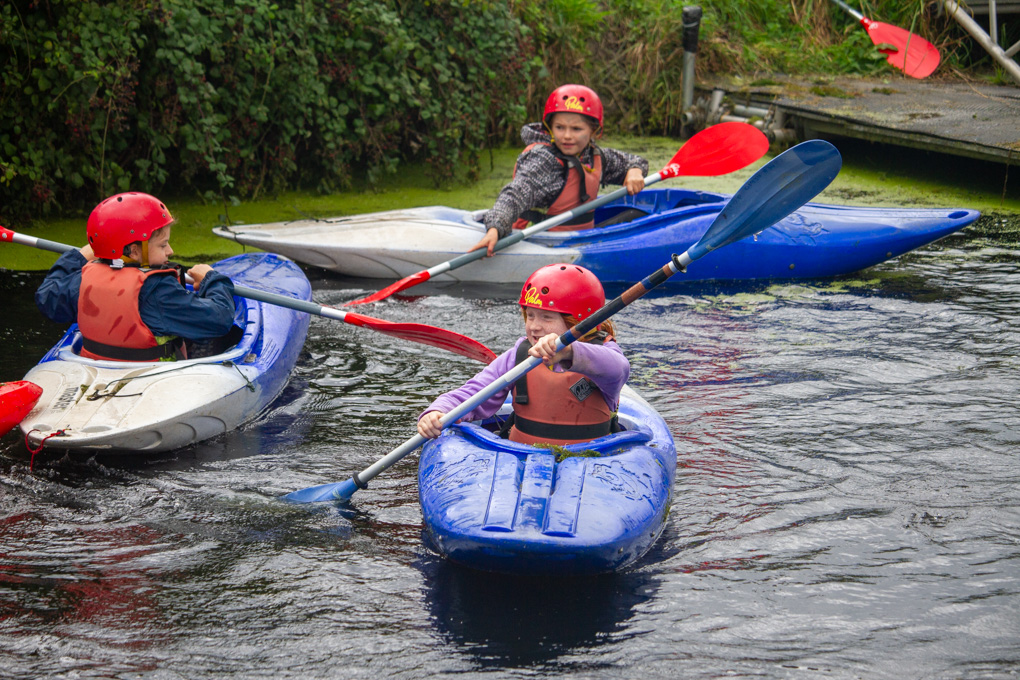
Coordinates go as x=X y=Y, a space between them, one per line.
x=124 y=294
x=561 y=167
x=573 y=396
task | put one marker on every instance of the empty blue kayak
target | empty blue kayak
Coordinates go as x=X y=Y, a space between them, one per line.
x=495 y=505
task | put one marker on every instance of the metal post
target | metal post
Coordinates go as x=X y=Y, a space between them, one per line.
x=691 y=18
x=979 y=34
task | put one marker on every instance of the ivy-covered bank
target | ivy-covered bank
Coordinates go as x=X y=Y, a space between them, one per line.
x=233 y=100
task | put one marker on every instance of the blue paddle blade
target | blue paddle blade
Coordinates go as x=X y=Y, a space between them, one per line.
x=780 y=187
x=337 y=491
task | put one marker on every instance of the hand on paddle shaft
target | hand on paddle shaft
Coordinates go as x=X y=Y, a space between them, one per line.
x=714 y=151
x=903 y=49
x=414 y=332
x=780 y=187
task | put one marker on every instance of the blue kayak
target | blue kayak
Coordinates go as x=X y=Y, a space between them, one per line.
x=816 y=241
x=492 y=504
x=91 y=404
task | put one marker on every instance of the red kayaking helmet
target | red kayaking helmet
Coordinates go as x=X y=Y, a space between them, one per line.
x=123 y=219
x=574 y=99
x=564 y=288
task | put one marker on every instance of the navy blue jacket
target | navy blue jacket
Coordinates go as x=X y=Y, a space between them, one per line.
x=165 y=306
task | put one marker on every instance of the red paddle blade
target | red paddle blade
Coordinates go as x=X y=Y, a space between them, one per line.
x=907 y=51
x=16 y=400
x=426 y=335
x=396 y=287
x=718 y=150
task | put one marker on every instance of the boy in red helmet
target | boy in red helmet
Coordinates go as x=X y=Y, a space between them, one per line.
x=573 y=396
x=126 y=297
x=561 y=167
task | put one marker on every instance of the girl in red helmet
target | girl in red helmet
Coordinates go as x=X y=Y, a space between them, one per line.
x=125 y=295
x=573 y=396
x=561 y=167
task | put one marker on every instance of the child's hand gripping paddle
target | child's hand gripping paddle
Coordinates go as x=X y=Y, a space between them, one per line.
x=780 y=187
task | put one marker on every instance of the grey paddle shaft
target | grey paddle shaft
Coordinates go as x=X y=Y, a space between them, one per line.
x=241 y=291
x=292 y=303
x=505 y=381
x=850 y=9
x=521 y=234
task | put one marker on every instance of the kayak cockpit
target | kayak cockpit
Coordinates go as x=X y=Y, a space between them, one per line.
x=243 y=340
x=486 y=434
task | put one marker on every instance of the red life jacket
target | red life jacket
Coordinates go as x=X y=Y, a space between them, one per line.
x=111 y=325
x=581 y=186
x=557 y=408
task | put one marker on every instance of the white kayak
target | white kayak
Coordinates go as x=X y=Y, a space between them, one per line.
x=395 y=243
x=90 y=404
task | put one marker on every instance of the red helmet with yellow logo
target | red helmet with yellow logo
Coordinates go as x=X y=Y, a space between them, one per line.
x=564 y=288
x=123 y=219
x=574 y=99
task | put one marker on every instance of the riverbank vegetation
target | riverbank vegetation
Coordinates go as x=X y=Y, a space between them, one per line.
x=228 y=101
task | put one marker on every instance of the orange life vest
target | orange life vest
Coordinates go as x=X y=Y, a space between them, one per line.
x=108 y=318
x=581 y=186
x=557 y=408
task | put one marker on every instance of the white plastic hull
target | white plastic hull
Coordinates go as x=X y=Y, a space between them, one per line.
x=395 y=244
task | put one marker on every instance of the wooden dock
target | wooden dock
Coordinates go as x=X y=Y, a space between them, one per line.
x=957 y=118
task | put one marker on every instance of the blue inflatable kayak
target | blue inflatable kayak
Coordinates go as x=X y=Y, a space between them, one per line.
x=815 y=241
x=492 y=504
x=91 y=404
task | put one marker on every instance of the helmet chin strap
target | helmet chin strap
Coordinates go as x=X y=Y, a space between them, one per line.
x=144 y=260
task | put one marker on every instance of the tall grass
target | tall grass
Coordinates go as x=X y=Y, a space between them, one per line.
x=631 y=51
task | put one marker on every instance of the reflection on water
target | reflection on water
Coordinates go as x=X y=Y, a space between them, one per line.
x=847 y=502
x=499 y=621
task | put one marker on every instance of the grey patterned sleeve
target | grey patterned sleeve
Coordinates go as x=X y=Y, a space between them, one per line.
x=536 y=184
x=615 y=165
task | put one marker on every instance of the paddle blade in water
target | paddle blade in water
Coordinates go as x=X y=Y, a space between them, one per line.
x=778 y=188
x=16 y=400
x=337 y=492
x=718 y=150
x=395 y=287
x=907 y=51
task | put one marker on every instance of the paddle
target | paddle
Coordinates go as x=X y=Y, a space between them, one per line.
x=776 y=190
x=907 y=51
x=415 y=332
x=16 y=400
x=714 y=151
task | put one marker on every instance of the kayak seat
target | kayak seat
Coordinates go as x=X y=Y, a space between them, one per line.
x=199 y=349
x=627 y=214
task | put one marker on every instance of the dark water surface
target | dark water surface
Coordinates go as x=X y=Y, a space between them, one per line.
x=847 y=503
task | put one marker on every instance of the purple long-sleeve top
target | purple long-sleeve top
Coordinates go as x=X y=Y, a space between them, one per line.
x=604 y=364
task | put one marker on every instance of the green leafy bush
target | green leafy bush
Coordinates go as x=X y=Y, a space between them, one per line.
x=235 y=98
